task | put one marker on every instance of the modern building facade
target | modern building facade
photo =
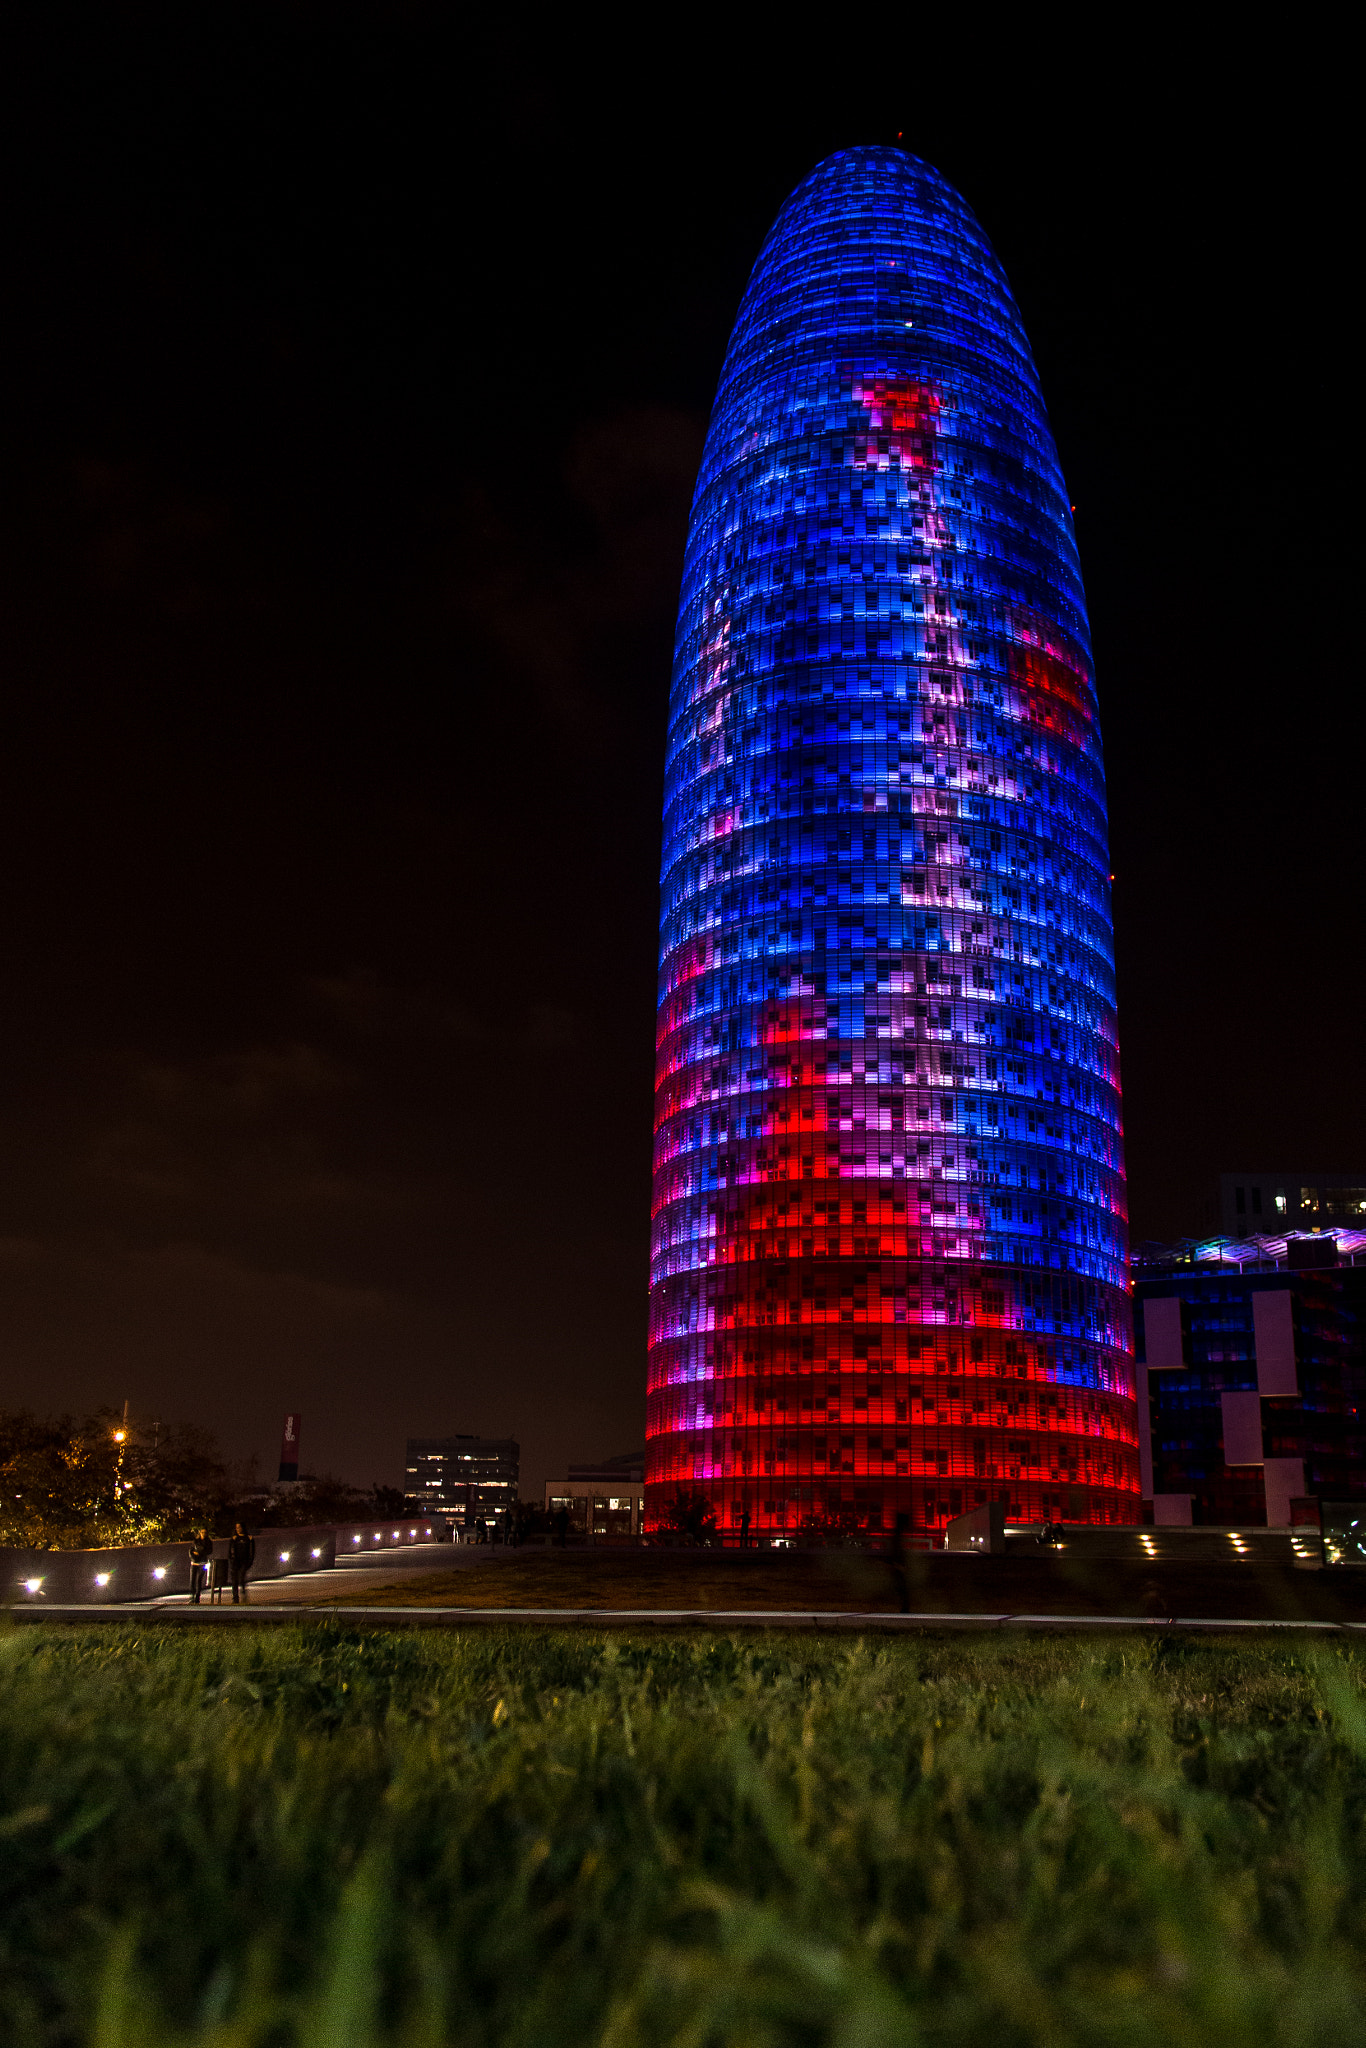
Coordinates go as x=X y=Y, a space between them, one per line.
x=468 y=1479
x=1252 y=1377
x=1265 y=1203
x=889 y=1232
x=602 y=1499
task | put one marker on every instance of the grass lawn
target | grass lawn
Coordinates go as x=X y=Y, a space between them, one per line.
x=845 y=1580
x=324 y=1837
x=861 y=1582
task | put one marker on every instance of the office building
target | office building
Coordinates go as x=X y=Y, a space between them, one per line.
x=465 y=1478
x=1247 y=1203
x=889 y=1237
x=1252 y=1376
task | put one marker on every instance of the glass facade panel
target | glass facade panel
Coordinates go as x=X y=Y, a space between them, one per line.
x=889 y=1239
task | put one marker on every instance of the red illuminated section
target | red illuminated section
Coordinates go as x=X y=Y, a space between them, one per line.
x=902 y=416
x=862 y=1361
x=1048 y=682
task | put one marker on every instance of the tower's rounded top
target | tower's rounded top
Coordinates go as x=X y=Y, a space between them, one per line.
x=875 y=254
x=897 y=167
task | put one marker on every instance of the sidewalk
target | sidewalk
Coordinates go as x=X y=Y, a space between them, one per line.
x=714 y=1621
x=308 y=1589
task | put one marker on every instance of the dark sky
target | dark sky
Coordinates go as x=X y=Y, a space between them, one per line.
x=354 y=382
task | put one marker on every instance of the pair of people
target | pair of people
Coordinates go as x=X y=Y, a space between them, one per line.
x=241 y=1557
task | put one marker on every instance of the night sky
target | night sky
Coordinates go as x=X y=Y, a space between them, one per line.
x=355 y=379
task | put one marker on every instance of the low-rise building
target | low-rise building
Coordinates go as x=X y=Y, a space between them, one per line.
x=1251 y=1367
x=603 y=1499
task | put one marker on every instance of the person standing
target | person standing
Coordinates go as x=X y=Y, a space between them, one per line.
x=241 y=1558
x=201 y=1557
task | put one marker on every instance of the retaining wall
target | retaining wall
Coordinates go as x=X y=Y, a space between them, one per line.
x=149 y=1571
x=142 y=1571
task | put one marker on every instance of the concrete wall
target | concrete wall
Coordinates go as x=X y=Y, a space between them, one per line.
x=282 y=1552
x=149 y=1571
x=144 y=1571
x=363 y=1539
x=982 y=1529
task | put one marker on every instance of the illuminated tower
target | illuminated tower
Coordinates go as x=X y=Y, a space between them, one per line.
x=888 y=1226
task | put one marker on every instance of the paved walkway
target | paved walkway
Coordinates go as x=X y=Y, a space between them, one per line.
x=307 y=1589
x=713 y=1620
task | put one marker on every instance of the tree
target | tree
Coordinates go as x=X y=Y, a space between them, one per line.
x=328 y=1499
x=690 y=1515
x=529 y=1518
x=69 y=1483
x=57 y=1477
x=391 y=1500
x=174 y=1480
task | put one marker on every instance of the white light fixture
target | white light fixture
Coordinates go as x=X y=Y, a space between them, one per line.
x=355 y=1539
x=284 y=1557
x=102 y=1578
x=317 y=1553
x=32 y=1585
x=158 y=1571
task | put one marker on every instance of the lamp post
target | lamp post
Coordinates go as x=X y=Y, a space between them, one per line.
x=121 y=1439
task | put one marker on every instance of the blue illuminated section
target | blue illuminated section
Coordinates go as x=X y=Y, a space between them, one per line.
x=889 y=1243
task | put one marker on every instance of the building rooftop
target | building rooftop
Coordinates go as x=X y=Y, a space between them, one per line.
x=1292 y=1249
x=628 y=1467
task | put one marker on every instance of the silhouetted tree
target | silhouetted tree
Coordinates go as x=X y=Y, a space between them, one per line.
x=329 y=1499
x=68 y=1482
x=690 y=1515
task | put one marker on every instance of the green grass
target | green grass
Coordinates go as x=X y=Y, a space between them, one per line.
x=323 y=1838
